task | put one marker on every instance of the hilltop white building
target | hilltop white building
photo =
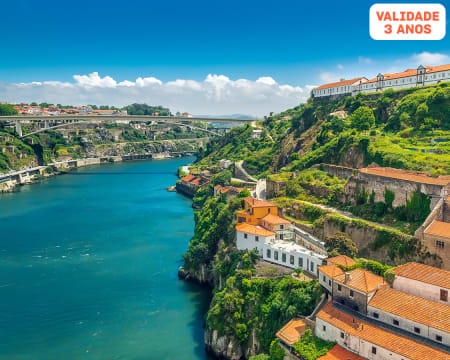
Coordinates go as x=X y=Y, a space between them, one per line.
x=423 y=75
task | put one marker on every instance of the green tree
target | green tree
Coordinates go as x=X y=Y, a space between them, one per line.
x=362 y=118
x=421 y=113
x=222 y=178
x=7 y=109
x=244 y=193
x=260 y=357
x=389 y=197
x=340 y=244
x=276 y=351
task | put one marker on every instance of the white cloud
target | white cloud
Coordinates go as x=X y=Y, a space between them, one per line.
x=427 y=58
x=340 y=66
x=328 y=77
x=215 y=95
x=364 y=60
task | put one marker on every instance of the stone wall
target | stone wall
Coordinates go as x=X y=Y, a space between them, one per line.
x=274 y=188
x=342 y=172
x=403 y=189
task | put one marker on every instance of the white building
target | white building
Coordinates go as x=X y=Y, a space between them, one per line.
x=425 y=281
x=343 y=87
x=249 y=237
x=423 y=75
x=256 y=133
x=370 y=341
x=292 y=255
x=411 y=313
x=326 y=275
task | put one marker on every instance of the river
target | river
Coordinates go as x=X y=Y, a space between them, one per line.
x=88 y=267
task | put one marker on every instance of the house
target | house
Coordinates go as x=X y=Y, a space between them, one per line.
x=370 y=341
x=343 y=88
x=436 y=237
x=282 y=227
x=290 y=333
x=342 y=260
x=411 y=313
x=355 y=288
x=256 y=133
x=326 y=275
x=249 y=237
x=255 y=210
x=190 y=184
x=229 y=191
x=292 y=255
x=423 y=280
x=339 y=353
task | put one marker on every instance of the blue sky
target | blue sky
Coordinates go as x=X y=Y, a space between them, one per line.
x=294 y=42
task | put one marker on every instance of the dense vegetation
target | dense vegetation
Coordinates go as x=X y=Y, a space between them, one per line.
x=144 y=109
x=310 y=347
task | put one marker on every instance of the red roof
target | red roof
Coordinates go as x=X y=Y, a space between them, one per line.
x=339 y=83
x=339 y=353
x=424 y=273
x=257 y=203
x=439 y=228
x=188 y=178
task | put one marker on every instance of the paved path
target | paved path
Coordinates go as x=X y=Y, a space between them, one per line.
x=238 y=164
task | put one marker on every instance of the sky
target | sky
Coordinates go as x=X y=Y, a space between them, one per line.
x=205 y=57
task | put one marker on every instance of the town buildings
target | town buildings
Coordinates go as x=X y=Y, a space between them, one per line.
x=423 y=75
x=406 y=320
x=259 y=227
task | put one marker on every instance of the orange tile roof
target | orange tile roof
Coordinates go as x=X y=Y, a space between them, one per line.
x=362 y=280
x=257 y=203
x=338 y=83
x=188 y=178
x=439 y=68
x=415 y=176
x=274 y=219
x=331 y=270
x=406 y=73
x=255 y=230
x=217 y=187
x=378 y=336
x=339 y=353
x=439 y=228
x=342 y=260
x=292 y=331
x=412 y=307
x=196 y=181
x=225 y=189
x=424 y=273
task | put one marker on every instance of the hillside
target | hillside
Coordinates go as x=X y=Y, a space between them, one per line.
x=408 y=129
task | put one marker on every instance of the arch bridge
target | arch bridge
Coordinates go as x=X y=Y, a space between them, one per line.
x=65 y=120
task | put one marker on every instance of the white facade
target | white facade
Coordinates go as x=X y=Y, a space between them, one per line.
x=410 y=78
x=413 y=327
x=326 y=282
x=292 y=255
x=363 y=348
x=344 y=87
x=248 y=241
x=422 y=289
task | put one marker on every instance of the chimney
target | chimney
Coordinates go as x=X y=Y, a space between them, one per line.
x=347 y=277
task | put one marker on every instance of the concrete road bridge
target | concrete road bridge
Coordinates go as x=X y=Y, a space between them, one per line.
x=64 y=120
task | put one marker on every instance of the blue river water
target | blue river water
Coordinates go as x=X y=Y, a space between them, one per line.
x=88 y=267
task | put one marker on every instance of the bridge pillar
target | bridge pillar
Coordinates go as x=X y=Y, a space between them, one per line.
x=45 y=124
x=19 y=128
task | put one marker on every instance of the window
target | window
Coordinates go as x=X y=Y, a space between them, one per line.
x=375 y=315
x=439 y=338
x=324 y=328
x=283 y=257
x=416 y=330
x=329 y=282
x=241 y=219
x=245 y=236
x=374 y=350
x=256 y=238
x=395 y=322
x=300 y=262
x=339 y=288
x=342 y=335
x=275 y=255
x=281 y=227
x=324 y=278
x=444 y=295
x=269 y=210
x=439 y=244
x=351 y=293
x=312 y=267
x=292 y=260
x=268 y=253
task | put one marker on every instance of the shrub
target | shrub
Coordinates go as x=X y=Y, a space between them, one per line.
x=310 y=347
x=276 y=351
x=340 y=244
x=362 y=119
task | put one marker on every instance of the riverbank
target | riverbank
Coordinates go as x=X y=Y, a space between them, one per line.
x=10 y=182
